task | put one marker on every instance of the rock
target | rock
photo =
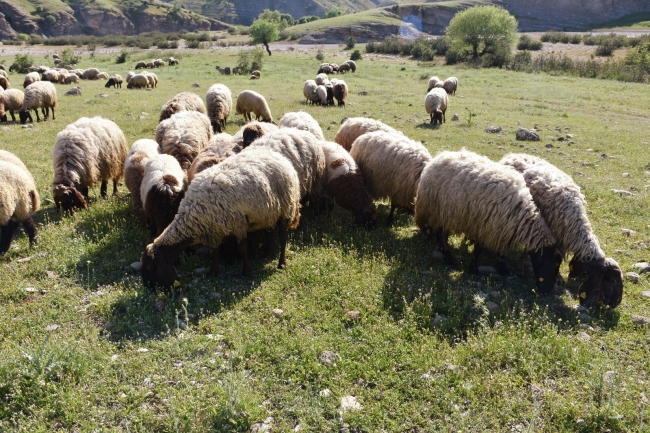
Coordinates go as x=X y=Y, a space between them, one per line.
x=570 y=136
x=494 y=129
x=159 y=305
x=486 y=270
x=260 y=427
x=136 y=266
x=103 y=95
x=328 y=357
x=30 y=290
x=24 y=259
x=585 y=327
x=29 y=126
x=622 y=192
x=628 y=232
x=454 y=117
x=196 y=85
x=494 y=294
x=52 y=327
x=482 y=295
x=363 y=93
x=491 y=306
x=632 y=276
x=560 y=139
x=583 y=336
x=142 y=350
x=646 y=293
x=108 y=325
x=640 y=320
x=325 y=393
x=199 y=271
x=549 y=146
x=425 y=376
x=642 y=267
x=51 y=274
x=437 y=255
x=609 y=377
x=6 y=128
x=278 y=312
x=526 y=135
x=75 y=91
x=626 y=175
x=353 y=315
x=584 y=316
x=181 y=324
x=350 y=403
x=536 y=390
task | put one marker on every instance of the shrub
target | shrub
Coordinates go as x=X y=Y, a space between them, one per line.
x=356 y=55
x=22 y=63
x=452 y=57
x=350 y=42
x=250 y=60
x=69 y=58
x=320 y=55
x=332 y=13
x=605 y=50
x=122 y=57
x=193 y=44
x=526 y=43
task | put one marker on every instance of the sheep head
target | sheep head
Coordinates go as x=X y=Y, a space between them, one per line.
x=604 y=281
x=437 y=117
x=24 y=115
x=546 y=266
x=158 y=264
x=68 y=198
x=250 y=134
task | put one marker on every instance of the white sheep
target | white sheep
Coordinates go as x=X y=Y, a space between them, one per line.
x=184 y=135
x=91 y=74
x=51 y=75
x=19 y=200
x=391 y=165
x=353 y=127
x=462 y=192
x=562 y=205
x=432 y=83
x=436 y=103
x=102 y=76
x=158 y=63
x=219 y=105
x=31 y=78
x=138 y=81
x=221 y=146
x=450 y=85
x=11 y=100
x=41 y=94
x=71 y=78
x=321 y=93
x=309 y=90
x=141 y=151
x=248 y=102
x=86 y=152
x=302 y=120
x=129 y=75
x=320 y=78
x=184 y=101
x=253 y=190
x=172 y=61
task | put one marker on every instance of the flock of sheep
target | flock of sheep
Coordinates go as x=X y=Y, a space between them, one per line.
x=195 y=184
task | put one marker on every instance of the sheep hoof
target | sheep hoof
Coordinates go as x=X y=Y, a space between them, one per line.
x=282 y=266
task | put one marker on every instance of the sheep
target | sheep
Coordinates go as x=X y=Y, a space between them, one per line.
x=72 y=78
x=41 y=94
x=11 y=100
x=162 y=189
x=562 y=206
x=102 y=76
x=462 y=192
x=62 y=76
x=251 y=132
x=115 y=81
x=52 y=76
x=184 y=135
x=353 y=66
x=339 y=91
x=391 y=165
x=352 y=128
x=78 y=72
x=151 y=81
x=304 y=121
x=309 y=90
x=438 y=85
x=184 y=101
x=248 y=102
x=31 y=78
x=86 y=152
x=19 y=200
x=140 y=65
x=344 y=67
x=3 y=72
x=254 y=77
x=4 y=83
x=253 y=190
x=223 y=71
x=320 y=78
x=325 y=69
x=450 y=85
x=256 y=73
x=141 y=151
x=130 y=75
x=436 y=103
x=432 y=82
x=150 y=65
x=172 y=61
x=138 y=81
x=158 y=63
x=219 y=105
x=221 y=147
x=91 y=74
x=321 y=93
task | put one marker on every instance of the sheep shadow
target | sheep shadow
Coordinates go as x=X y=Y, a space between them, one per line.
x=427 y=125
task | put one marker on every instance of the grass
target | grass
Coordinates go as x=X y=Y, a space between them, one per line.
x=426 y=354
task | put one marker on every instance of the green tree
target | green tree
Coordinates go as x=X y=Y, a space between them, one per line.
x=22 y=63
x=282 y=20
x=482 y=30
x=264 y=32
x=69 y=58
x=332 y=13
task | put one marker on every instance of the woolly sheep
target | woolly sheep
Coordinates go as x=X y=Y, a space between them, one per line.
x=184 y=135
x=41 y=94
x=140 y=65
x=344 y=67
x=221 y=147
x=141 y=151
x=130 y=75
x=62 y=76
x=462 y=192
x=309 y=90
x=562 y=206
x=254 y=77
x=150 y=65
x=151 y=78
x=257 y=73
x=172 y=61
x=162 y=189
x=102 y=76
x=325 y=69
x=353 y=66
x=251 y=132
x=158 y=63
x=352 y=128
x=432 y=82
x=320 y=78
x=436 y=103
x=219 y=105
x=339 y=91
x=223 y=71
x=115 y=81
x=11 y=100
x=450 y=85
x=248 y=102
x=4 y=83
x=438 y=85
x=184 y=101
x=253 y=190
x=72 y=78
x=3 y=72
x=78 y=72
x=52 y=76
x=31 y=78
x=391 y=165
x=86 y=152
x=138 y=81
x=321 y=92
x=304 y=121
x=91 y=74
x=19 y=200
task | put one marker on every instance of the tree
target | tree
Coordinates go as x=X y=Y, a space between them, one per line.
x=482 y=30
x=332 y=13
x=264 y=32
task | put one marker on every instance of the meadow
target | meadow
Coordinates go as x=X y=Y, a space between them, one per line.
x=364 y=313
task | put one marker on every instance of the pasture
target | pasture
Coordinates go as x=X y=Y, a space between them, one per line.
x=365 y=313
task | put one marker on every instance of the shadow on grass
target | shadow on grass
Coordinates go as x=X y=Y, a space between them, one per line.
x=427 y=125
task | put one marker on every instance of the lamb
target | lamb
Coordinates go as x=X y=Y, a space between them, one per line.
x=352 y=128
x=320 y=78
x=115 y=81
x=253 y=190
x=562 y=206
x=162 y=189
x=86 y=152
x=321 y=93
x=184 y=135
x=339 y=91
x=102 y=76
x=248 y=102
x=138 y=81
x=436 y=103
x=19 y=200
x=172 y=61
x=41 y=94
x=184 y=101
x=11 y=100
x=91 y=74
x=31 y=78
x=391 y=165
x=140 y=65
x=325 y=69
x=432 y=82
x=462 y=192
x=450 y=85
x=219 y=105
x=309 y=90
x=251 y=132
x=304 y=121
x=141 y=151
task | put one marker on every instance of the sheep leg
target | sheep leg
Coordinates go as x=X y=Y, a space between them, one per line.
x=7 y=235
x=13 y=117
x=84 y=191
x=270 y=246
x=242 y=247
x=53 y=116
x=46 y=113
x=103 y=188
x=443 y=241
x=478 y=249
x=502 y=265
x=214 y=263
x=38 y=119
x=390 y=215
x=115 y=184
x=30 y=228
x=444 y=119
x=282 y=225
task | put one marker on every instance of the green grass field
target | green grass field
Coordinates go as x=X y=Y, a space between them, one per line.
x=84 y=347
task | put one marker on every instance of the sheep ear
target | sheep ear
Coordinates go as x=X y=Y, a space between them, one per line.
x=576 y=268
x=80 y=197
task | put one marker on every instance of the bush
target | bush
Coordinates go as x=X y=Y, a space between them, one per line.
x=69 y=58
x=250 y=60
x=22 y=63
x=452 y=57
x=332 y=13
x=605 y=50
x=350 y=42
x=526 y=43
x=193 y=44
x=122 y=57
x=356 y=55
x=320 y=55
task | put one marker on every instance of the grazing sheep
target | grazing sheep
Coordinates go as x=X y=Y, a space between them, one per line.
x=71 y=78
x=112 y=82
x=257 y=73
x=253 y=190
x=51 y=75
x=321 y=93
x=62 y=76
x=562 y=206
x=432 y=82
x=438 y=85
x=158 y=63
x=219 y=105
x=352 y=128
x=140 y=65
x=3 y=72
x=172 y=61
x=320 y=78
x=254 y=77
x=151 y=81
x=391 y=165
x=251 y=132
x=339 y=91
x=102 y=76
x=304 y=121
x=223 y=71
x=150 y=65
x=436 y=103
x=130 y=75
x=248 y=102
x=78 y=72
x=221 y=147
x=309 y=90
x=462 y=192
x=19 y=200
x=86 y=152
x=91 y=74
x=184 y=101
x=162 y=189
x=344 y=67
x=325 y=69
x=184 y=135
x=450 y=85
x=141 y=151
x=138 y=81
x=11 y=100
x=41 y=94
x=353 y=66
x=31 y=78
x=4 y=83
